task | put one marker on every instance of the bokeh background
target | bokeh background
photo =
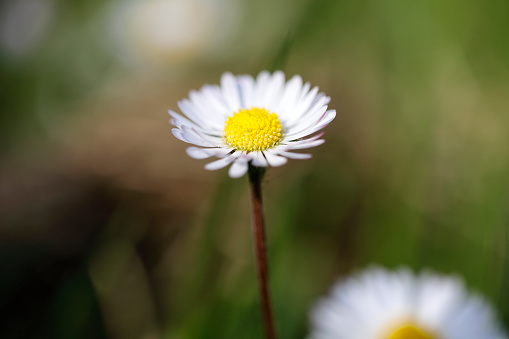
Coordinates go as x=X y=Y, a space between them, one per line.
x=109 y=230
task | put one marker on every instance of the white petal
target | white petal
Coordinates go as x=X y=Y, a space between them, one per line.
x=246 y=85
x=214 y=141
x=273 y=90
x=215 y=98
x=295 y=155
x=230 y=90
x=223 y=162
x=303 y=106
x=259 y=160
x=238 y=169
x=328 y=117
x=299 y=103
x=180 y=121
x=261 y=84
x=189 y=138
x=208 y=109
x=315 y=137
x=301 y=144
x=308 y=100
x=203 y=153
x=178 y=134
x=290 y=95
x=317 y=109
x=274 y=160
x=307 y=122
x=198 y=116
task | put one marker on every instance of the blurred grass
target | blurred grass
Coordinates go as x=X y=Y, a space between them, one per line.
x=414 y=171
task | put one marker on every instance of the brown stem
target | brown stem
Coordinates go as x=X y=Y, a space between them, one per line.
x=255 y=176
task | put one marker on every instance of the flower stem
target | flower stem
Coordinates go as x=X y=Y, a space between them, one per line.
x=255 y=178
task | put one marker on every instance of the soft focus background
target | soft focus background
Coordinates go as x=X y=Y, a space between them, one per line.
x=109 y=230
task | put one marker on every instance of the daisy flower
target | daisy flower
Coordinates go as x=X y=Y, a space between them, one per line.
x=252 y=121
x=378 y=304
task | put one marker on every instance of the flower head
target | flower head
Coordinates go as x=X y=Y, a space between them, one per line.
x=246 y=120
x=169 y=33
x=378 y=304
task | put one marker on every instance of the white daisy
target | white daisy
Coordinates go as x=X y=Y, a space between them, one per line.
x=169 y=33
x=252 y=120
x=378 y=304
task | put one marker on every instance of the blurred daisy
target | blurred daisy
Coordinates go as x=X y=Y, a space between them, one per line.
x=257 y=121
x=163 y=33
x=378 y=304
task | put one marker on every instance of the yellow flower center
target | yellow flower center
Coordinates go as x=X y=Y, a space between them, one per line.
x=254 y=129
x=411 y=332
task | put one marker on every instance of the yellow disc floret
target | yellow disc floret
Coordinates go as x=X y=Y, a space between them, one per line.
x=254 y=129
x=410 y=332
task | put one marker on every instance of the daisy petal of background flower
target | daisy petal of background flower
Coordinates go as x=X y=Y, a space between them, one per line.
x=378 y=304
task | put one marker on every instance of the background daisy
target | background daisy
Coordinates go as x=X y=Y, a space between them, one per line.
x=252 y=120
x=378 y=304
